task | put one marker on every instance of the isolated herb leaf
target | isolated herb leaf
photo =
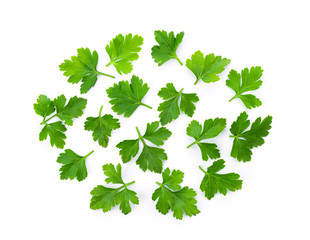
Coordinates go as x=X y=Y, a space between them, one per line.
x=102 y=127
x=82 y=67
x=245 y=141
x=168 y=45
x=206 y=68
x=170 y=109
x=123 y=50
x=213 y=182
x=126 y=98
x=44 y=106
x=56 y=133
x=73 y=165
x=170 y=195
x=249 y=80
x=211 y=128
x=105 y=198
x=151 y=158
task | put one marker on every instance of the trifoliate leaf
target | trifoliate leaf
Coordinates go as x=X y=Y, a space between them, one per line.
x=151 y=158
x=206 y=68
x=244 y=140
x=211 y=128
x=168 y=45
x=82 y=67
x=170 y=195
x=126 y=98
x=248 y=81
x=213 y=182
x=123 y=50
x=105 y=198
x=101 y=127
x=65 y=112
x=73 y=165
x=170 y=109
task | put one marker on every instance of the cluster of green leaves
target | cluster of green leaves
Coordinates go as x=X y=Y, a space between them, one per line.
x=64 y=111
x=101 y=127
x=151 y=158
x=170 y=109
x=249 y=80
x=170 y=195
x=105 y=198
x=245 y=140
x=213 y=182
x=127 y=97
x=211 y=128
x=73 y=165
x=123 y=50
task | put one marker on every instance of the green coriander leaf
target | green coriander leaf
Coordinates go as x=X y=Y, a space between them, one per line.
x=213 y=182
x=82 y=67
x=56 y=133
x=73 y=165
x=105 y=198
x=123 y=50
x=245 y=141
x=211 y=128
x=44 y=106
x=101 y=127
x=206 y=68
x=170 y=109
x=168 y=45
x=248 y=81
x=73 y=109
x=151 y=158
x=126 y=98
x=170 y=195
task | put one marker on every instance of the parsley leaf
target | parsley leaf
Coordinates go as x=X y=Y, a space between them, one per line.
x=211 y=128
x=105 y=198
x=73 y=165
x=170 y=109
x=244 y=140
x=65 y=112
x=101 y=127
x=123 y=50
x=170 y=195
x=250 y=82
x=206 y=68
x=82 y=67
x=151 y=158
x=213 y=182
x=167 y=47
x=126 y=98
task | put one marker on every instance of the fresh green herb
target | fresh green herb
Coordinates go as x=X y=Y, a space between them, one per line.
x=211 y=128
x=213 y=182
x=250 y=82
x=151 y=158
x=206 y=68
x=123 y=50
x=65 y=112
x=82 y=67
x=170 y=109
x=73 y=165
x=126 y=98
x=244 y=140
x=168 y=45
x=101 y=127
x=105 y=198
x=170 y=195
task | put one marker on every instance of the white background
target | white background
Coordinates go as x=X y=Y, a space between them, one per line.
x=36 y=36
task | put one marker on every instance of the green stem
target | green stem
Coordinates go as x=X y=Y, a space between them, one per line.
x=176 y=57
x=140 y=136
x=233 y=98
x=191 y=144
x=159 y=184
x=104 y=74
x=45 y=121
x=196 y=81
x=202 y=170
x=89 y=154
x=145 y=105
x=109 y=64
x=127 y=184
x=100 y=111
x=181 y=90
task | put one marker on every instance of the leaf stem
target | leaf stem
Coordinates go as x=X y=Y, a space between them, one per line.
x=197 y=81
x=104 y=74
x=45 y=121
x=141 y=103
x=233 y=98
x=191 y=144
x=159 y=184
x=181 y=90
x=140 y=136
x=127 y=184
x=202 y=170
x=100 y=111
x=89 y=154
x=176 y=57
